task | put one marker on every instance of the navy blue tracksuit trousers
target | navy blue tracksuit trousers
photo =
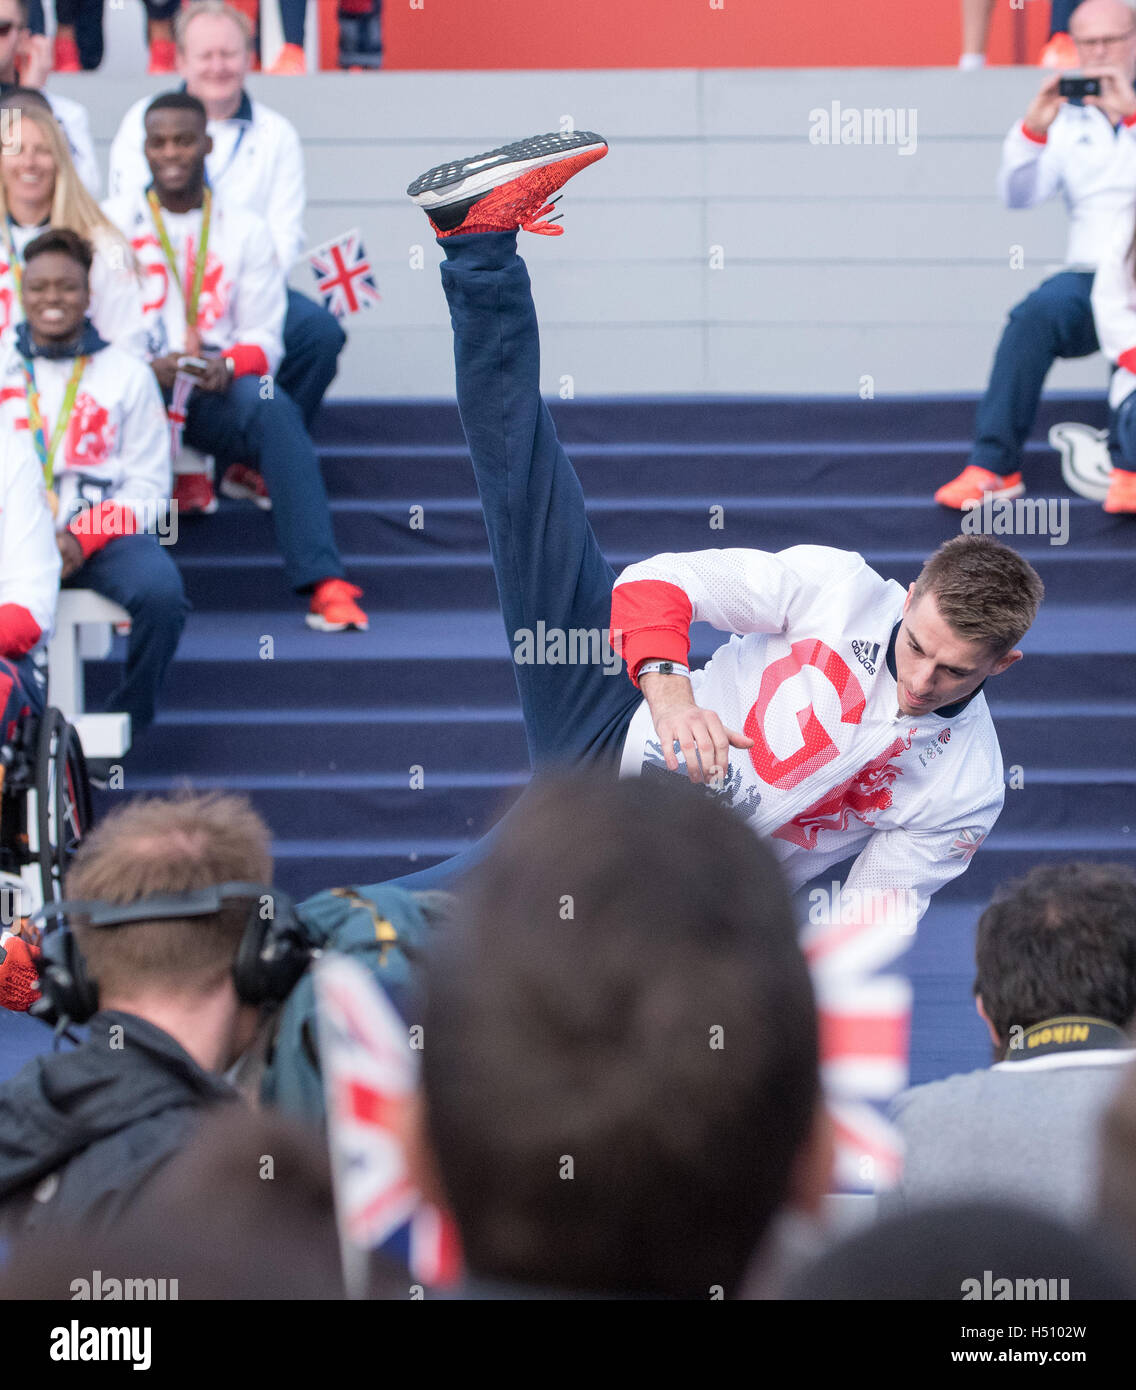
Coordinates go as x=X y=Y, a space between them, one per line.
x=547 y=562
x=1056 y=320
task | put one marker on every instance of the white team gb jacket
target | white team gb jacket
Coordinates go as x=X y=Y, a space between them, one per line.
x=256 y=162
x=835 y=769
x=243 y=298
x=115 y=453
x=1092 y=166
x=1114 y=310
x=29 y=557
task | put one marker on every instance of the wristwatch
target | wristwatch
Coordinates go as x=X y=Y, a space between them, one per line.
x=662 y=668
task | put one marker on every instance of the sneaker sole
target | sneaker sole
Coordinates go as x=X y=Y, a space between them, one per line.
x=478 y=174
x=1018 y=490
x=197 y=511
x=321 y=624
x=245 y=494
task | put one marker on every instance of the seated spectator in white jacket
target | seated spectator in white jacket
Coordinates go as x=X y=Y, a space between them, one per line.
x=25 y=61
x=255 y=162
x=1056 y=986
x=1114 y=308
x=1085 y=151
x=39 y=188
x=90 y=423
x=29 y=581
x=215 y=321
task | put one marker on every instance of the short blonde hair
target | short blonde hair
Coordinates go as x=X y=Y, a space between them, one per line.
x=168 y=845
x=185 y=17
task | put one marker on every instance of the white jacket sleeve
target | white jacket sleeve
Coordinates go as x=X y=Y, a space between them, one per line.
x=129 y=173
x=1030 y=171
x=29 y=556
x=1114 y=298
x=116 y=297
x=655 y=601
x=261 y=297
x=144 y=445
x=285 y=211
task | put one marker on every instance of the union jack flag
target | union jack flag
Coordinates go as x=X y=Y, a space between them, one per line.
x=966 y=845
x=369 y=1073
x=344 y=277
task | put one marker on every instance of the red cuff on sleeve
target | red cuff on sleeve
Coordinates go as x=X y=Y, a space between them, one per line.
x=19 y=631
x=1127 y=360
x=650 y=619
x=97 y=525
x=1038 y=139
x=247 y=359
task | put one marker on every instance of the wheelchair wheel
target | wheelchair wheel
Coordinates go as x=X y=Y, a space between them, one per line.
x=63 y=800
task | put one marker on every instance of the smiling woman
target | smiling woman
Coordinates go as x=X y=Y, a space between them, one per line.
x=39 y=189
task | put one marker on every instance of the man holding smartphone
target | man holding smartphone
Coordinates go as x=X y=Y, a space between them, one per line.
x=1083 y=147
x=213 y=305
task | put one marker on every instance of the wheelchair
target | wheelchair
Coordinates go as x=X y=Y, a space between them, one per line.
x=45 y=803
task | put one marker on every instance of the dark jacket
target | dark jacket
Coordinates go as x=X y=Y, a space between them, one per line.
x=82 y=1131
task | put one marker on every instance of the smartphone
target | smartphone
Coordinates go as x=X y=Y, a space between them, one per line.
x=1078 y=87
x=193 y=365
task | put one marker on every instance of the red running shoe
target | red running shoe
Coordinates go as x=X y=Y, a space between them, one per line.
x=507 y=188
x=194 y=495
x=333 y=607
x=244 y=484
x=66 y=57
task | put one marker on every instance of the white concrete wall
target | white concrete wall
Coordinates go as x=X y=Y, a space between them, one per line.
x=839 y=260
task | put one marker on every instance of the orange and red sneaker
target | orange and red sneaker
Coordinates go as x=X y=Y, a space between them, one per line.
x=507 y=188
x=245 y=484
x=1059 y=53
x=194 y=495
x=972 y=485
x=1121 y=492
x=333 y=607
x=163 y=56
x=290 y=62
x=66 y=55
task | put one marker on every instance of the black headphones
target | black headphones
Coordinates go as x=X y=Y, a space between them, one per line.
x=273 y=953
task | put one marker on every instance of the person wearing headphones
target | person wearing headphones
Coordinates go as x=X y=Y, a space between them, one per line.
x=170 y=1001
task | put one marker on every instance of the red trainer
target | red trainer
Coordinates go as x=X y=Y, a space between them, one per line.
x=194 y=495
x=973 y=483
x=333 y=607
x=163 y=56
x=244 y=484
x=18 y=975
x=507 y=188
x=66 y=58
x=1121 y=492
x=290 y=62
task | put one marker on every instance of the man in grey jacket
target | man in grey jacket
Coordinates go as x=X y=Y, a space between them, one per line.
x=1056 y=986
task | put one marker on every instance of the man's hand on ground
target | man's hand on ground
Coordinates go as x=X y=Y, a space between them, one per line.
x=703 y=738
x=1045 y=106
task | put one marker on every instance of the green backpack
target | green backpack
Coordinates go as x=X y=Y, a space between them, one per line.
x=385 y=928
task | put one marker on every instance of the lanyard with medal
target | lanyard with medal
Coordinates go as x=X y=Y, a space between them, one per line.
x=46 y=451
x=190 y=300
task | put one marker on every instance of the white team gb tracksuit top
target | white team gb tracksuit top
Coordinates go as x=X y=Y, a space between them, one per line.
x=29 y=557
x=1091 y=164
x=835 y=769
x=115 y=454
x=242 y=303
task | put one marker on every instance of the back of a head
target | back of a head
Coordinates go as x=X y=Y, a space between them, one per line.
x=245 y=1211
x=621 y=1055
x=1060 y=940
x=168 y=845
x=958 y=1251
